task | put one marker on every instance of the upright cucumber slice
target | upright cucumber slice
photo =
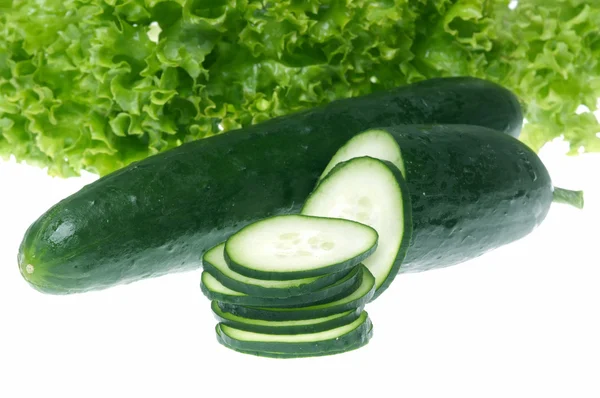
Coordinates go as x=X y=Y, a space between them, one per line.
x=214 y=290
x=377 y=144
x=357 y=299
x=295 y=246
x=372 y=192
x=214 y=263
x=284 y=327
x=334 y=340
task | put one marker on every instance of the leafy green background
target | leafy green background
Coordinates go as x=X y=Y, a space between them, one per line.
x=83 y=86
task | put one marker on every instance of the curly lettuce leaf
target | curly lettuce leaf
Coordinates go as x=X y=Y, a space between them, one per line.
x=97 y=84
x=547 y=52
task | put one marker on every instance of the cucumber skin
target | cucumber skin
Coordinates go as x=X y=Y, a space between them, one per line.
x=471 y=192
x=160 y=214
x=295 y=329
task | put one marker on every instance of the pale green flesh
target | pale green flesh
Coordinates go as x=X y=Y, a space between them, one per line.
x=296 y=243
x=243 y=335
x=275 y=324
x=364 y=288
x=365 y=190
x=377 y=144
x=217 y=287
x=216 y=258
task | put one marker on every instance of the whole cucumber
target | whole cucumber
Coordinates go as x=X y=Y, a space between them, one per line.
x=470 y=192
x=159 y=215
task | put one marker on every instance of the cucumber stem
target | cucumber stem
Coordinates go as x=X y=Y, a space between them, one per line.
x=573 y=198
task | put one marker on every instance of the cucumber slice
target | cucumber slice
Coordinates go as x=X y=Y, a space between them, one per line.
x=214 y=263
x=295 y=246
x=357 y=299
x=377 y=144
x=372 y=192
x=284 y=327
x=334 y=340
x=214 y=290
x=284 y=355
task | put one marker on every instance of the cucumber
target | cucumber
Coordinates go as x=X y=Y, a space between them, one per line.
x=471 y=190
x=160 y=214
x=335 y=340
x=293 y=246
x=214 y=263
x=214 y=290
x=356 y=300
x=285 y=327
x=372 y=192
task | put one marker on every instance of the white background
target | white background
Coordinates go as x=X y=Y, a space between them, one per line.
x=522 y=321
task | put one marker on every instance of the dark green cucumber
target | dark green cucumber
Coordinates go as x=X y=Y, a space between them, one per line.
x=355 y=300
x=214 y=263
x=298 y=246
x=214 y=290
x=160 y=214
x=471 y=190
x=340 y=339
x=285 y=327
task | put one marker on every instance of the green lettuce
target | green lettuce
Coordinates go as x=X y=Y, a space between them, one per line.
x=97 y=84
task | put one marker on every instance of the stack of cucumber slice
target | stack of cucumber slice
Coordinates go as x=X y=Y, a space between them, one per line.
x=292 y=286
x=296 y=285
